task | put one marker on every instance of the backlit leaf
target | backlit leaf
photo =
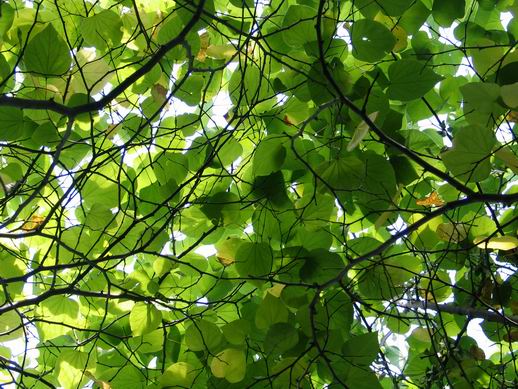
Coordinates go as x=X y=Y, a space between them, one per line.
x=144 y=318
x=47 y=54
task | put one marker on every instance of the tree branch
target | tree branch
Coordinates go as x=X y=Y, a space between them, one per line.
x=63 y=109
x=463 y=311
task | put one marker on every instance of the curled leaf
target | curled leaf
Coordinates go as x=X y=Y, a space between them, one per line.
x=360 y=132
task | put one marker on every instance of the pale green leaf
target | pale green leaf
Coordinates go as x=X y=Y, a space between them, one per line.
x=144 y=318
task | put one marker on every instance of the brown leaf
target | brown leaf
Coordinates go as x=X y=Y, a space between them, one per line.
x=433 y=200
x=512 y=116
x=477 y=353
x=511 y=336
x=287 y=120
x=159 y=93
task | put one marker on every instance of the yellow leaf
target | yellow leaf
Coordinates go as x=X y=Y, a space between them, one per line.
x=496 y=243
x=221 y=51
x=33 y=223
x=276 y=290
x=401 y=38
x=204 y=44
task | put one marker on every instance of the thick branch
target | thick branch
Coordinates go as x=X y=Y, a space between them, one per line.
x=463 y=311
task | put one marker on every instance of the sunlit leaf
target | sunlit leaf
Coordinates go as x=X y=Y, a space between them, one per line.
x=144 y=318
x=497 y=242
x=229 y=364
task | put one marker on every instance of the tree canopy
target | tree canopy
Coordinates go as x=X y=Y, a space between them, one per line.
x=258 y=194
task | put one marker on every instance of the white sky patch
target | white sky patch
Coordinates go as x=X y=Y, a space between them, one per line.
x=447 y=35
x=432 y=123
x=398 y=226
x=465 y=68
x=343 y=33
x=505 y=18
x=504 y=135
x=206 y=250
x=220 y=107
x=475 y=331
x=249 y=229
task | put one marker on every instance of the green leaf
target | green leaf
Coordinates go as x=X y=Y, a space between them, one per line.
x=180 y=374
x=371 y=40
x=445 y=11
x=47 y=54
x=144 y=318
x=223 y=207
x=361 y=349
x=229 y=364
x=190 y=91
x=7 y=19
x=299 y=25
x=254 y=259
x=333 y=173
x=385 y=279
x=468 y=159
x=235 y=332
x=269 y=155
x=5 y=69
x=410 y=79
x=362 y=378
x=12 y=123
x=396 y=7
x=11 y=326
x=248 y=85
x=510 y=95
x=320 y=266
x=271 y=311
x=102 y=29
x=481 y=103
x=280 y=338
x=71 y=368
x=203 y=335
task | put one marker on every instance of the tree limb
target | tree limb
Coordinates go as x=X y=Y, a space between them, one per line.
x=463 y=311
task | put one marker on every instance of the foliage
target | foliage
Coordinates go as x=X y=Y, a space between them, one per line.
x=237 y=194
